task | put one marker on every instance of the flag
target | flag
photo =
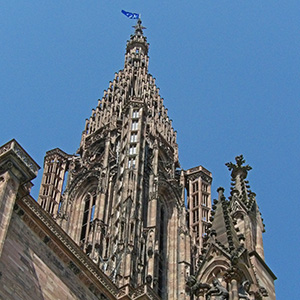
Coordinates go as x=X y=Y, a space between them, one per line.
x=130 y=15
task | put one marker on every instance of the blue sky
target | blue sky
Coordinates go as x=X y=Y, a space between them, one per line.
x=229 y=72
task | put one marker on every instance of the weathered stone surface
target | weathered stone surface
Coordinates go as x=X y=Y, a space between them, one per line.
x=30 y=271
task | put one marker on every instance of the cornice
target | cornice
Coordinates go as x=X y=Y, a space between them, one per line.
x=59 y=152
x=255 y=254
x=196 y=172
x=13 y=148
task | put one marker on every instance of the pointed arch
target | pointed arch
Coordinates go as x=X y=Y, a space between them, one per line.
x=83 y=206
x=214 y=269
x=89 y=203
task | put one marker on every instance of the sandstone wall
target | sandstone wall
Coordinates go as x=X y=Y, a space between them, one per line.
x=29 y=270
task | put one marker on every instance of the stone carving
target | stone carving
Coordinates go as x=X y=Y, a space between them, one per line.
x=194 y=287
x=23 y=156
x=239 y=161
x=5 y=148
x=26 y=159
x=244 y=289
x=263 y=291
x=238 y=167
x=102 y=183
x=218 y=291
x=79 y=180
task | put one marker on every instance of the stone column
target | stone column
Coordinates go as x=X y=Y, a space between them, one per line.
x=232 y=277
x=104 y=186
x=259 y=246
x=234 y=289
x=16 y=169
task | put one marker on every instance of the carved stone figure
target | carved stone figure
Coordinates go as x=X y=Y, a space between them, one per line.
x=194 y=286
x=218 y=291
x=244 y=289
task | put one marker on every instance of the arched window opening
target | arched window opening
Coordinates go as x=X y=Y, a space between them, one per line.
x=88 y=216
x=162 y=260
x=52 y=207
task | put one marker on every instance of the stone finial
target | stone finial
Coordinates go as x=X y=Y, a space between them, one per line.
x=238 y=167
x=138 y=28
x=220 y=191
x=137 y=39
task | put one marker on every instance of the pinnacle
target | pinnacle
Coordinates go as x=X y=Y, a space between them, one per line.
x=139 y=28
x=240 y=188
x=222 y=229
x=238 y=168
x=137 y=39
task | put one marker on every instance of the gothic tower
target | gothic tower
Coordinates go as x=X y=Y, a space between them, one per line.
x=124 y=201
x=141 y=219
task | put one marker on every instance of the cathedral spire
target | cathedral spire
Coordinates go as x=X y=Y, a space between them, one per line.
x=123 y=198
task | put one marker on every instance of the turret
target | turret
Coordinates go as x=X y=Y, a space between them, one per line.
x=55 y=168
